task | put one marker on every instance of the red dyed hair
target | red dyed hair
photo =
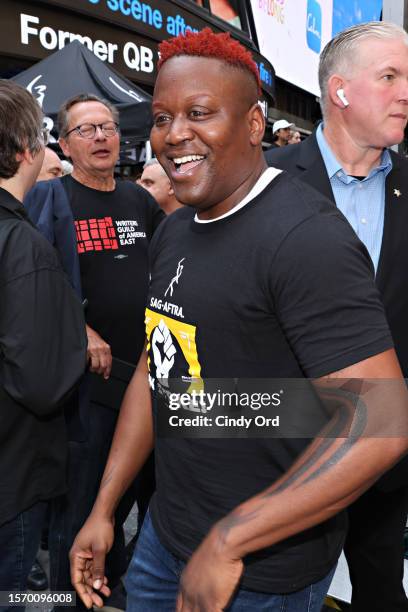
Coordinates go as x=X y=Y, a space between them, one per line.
x=208 y=44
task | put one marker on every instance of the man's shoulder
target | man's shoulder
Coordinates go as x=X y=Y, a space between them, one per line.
x=185 y=213
x=10 y=223
x=131 y=193
x=125 y=186
x=396 y=192
x=18 y=231
x=289 y=194
x=135 y=199
x=44 y=192
x=37 y=253
x=399 y=162
x=286 y=157
x=295 y=213
x=44 y=187
x=174 y=226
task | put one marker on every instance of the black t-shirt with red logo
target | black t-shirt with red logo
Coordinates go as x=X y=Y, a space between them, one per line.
x=113 y=230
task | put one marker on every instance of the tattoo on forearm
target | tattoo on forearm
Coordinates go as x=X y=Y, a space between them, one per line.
x=357 y=429
x=236 y=519
x=350 y=420
x=337 y=427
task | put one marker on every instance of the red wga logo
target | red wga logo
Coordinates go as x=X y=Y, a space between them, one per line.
x=96 y=235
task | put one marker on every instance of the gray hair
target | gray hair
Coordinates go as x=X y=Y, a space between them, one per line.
x=339 y=53
x=63 y=118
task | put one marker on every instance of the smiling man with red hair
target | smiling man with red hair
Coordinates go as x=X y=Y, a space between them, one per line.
x=242 y=287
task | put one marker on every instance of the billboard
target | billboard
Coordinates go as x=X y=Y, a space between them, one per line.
x=292 y=33
x=126 y=39
x=349 y=12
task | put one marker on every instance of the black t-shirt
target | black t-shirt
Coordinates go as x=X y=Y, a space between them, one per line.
x=113 y=230
x=280 y=289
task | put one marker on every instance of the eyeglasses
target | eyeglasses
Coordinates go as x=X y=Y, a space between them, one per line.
x=88 y=130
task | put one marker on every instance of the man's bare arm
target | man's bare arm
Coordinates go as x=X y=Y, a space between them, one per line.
x=131 y=445
x=332 y=472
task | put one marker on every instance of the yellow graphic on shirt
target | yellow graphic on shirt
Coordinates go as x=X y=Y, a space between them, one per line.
x=160 y=346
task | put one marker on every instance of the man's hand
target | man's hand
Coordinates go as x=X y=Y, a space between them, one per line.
x=87 y=558
x=99 y=354
x=210 y=578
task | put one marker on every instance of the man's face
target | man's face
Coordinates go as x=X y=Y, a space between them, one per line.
x=51 y=166
x=284 y=135
x=155 y=180
x=92 y=156
x=378 y=93
x=203 y=132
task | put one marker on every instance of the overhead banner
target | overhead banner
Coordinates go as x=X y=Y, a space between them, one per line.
x=122 y=33
x=35 y=31
x=292 y=33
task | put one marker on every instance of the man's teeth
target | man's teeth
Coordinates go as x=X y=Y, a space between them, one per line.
x=187 y=158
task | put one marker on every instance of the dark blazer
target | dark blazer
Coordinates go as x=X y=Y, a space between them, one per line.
x=304 y=160
x=49 y=209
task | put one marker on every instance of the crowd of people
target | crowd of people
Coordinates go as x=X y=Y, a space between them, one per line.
x=284 y=133
x=220 y=262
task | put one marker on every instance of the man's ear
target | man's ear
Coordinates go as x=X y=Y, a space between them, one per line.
x=334 y=84
x=27 y=156
x=63 y=143
x=256 y=122
x=21 y=156
x=171 y=190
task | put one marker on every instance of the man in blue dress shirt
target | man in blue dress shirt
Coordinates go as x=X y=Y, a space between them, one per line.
x=363 y=76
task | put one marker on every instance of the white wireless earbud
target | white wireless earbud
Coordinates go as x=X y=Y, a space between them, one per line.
x=342 y=96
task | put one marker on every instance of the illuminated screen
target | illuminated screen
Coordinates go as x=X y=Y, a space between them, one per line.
x=349 y=12
x=292 y=33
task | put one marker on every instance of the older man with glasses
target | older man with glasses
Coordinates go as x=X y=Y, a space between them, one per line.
x=102 y=228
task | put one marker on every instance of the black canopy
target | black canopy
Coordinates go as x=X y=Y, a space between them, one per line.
x=73 y=70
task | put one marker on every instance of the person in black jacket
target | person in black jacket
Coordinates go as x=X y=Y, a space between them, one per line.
x=364 y=84
x=42 y=347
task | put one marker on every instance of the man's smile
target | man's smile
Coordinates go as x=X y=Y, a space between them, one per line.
x=185 y=163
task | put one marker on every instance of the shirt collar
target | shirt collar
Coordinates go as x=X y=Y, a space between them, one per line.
x=7 y=200
x=333 y=166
